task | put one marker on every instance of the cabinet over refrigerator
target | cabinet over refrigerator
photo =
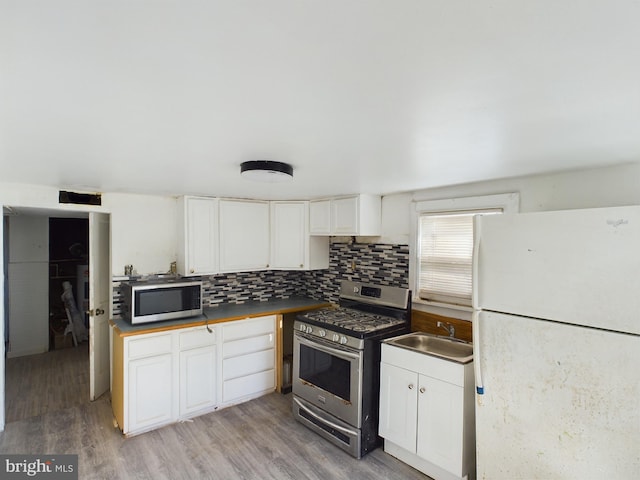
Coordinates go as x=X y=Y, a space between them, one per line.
x=557 y=344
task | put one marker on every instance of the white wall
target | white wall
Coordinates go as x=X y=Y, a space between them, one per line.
x=143 y=227
x=144 y=232
x=602 y=187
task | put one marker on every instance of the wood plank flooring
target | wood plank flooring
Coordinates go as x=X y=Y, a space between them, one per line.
x=38 y=384
x=255 y=440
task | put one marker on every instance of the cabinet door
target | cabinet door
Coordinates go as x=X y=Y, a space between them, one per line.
x=150 y=391
x=288 y=235
x=440 y=424
x=197 y=379
x=244 y=235
x=199 y=249
x=398 y=406
x=320 y=217
x=345 y=216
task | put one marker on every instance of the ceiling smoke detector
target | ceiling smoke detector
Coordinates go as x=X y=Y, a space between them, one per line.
x=266 y=171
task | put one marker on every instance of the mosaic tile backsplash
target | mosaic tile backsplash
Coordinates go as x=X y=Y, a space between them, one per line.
x=380 y=264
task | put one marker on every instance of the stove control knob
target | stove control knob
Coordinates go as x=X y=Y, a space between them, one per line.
x=322 y=333
x=303 y=328
x=335 y=337
x=309 y=329
x=343 y=340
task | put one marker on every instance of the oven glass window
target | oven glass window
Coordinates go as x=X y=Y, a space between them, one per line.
x=326 y=371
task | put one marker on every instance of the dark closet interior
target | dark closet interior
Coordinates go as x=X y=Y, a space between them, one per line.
x=68 y=261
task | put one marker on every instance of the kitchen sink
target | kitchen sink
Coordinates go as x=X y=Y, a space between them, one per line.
x=444 y=347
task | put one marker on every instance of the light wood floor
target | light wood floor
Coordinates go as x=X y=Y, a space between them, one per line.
x=39 y=384
x=255 y=440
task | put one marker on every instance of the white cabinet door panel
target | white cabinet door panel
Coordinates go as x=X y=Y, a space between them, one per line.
x=288 y=234
x=150 y=391
x=320 y=217
x=440 y=423
x=197 y=379
x=398 y=408
x=198 y=251
x=344 y=216
x=244 y=235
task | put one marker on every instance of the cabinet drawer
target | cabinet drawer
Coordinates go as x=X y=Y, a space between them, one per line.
x=248 y=328
x=247 y=345
x=248 y=385
x=151 y=345
x=248 y=364
x=197 y=337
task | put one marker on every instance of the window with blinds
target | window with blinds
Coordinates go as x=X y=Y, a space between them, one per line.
x=446 y=256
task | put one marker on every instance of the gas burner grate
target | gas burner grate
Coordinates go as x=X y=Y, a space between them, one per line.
x=352 y=319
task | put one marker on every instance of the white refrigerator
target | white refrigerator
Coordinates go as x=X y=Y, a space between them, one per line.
x=557 y=344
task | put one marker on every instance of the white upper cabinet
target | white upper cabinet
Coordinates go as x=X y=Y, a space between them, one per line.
x=244 y=235
x=320 y=217
x=218 y=235
x=292 y=248
x=198 y=241
x=352 y=215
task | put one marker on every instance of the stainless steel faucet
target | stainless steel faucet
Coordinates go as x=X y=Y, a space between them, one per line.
x=448 y=327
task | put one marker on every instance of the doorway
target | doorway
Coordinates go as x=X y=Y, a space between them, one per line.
x=97 y=252
x=68 y=282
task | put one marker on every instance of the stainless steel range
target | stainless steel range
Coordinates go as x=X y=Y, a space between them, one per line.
x=336 y=363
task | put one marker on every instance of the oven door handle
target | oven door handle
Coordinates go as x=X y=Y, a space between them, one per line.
x=322 y=345
x=340 y=428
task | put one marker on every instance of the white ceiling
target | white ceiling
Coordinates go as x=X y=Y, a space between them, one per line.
x=371 y=96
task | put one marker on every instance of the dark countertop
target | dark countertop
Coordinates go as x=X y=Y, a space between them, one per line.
x=223 y=313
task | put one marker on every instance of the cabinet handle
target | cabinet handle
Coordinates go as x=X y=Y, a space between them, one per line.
x=422 y=389
x=411 y=386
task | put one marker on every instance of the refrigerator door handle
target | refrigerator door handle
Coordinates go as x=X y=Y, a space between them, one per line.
x=475 y=330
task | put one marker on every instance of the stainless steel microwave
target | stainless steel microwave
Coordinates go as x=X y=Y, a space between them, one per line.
x=145 y=302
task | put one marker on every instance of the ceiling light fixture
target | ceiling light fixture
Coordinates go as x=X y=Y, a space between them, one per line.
x=266 y=171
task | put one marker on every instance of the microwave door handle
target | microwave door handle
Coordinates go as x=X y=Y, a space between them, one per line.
x=340 y=428
x=328 y=349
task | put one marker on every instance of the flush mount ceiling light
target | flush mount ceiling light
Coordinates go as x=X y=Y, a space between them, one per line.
x=266 y=171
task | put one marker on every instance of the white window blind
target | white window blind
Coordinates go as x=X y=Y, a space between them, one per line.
x=446 y=256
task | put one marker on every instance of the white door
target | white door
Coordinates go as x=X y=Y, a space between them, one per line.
x=99 y=303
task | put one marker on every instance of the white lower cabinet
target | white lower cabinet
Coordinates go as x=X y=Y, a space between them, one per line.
x=248 y=358
x=427 y=415
x=161 y=378
x=148 y=378
x=198 y=370
x=150 y=391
